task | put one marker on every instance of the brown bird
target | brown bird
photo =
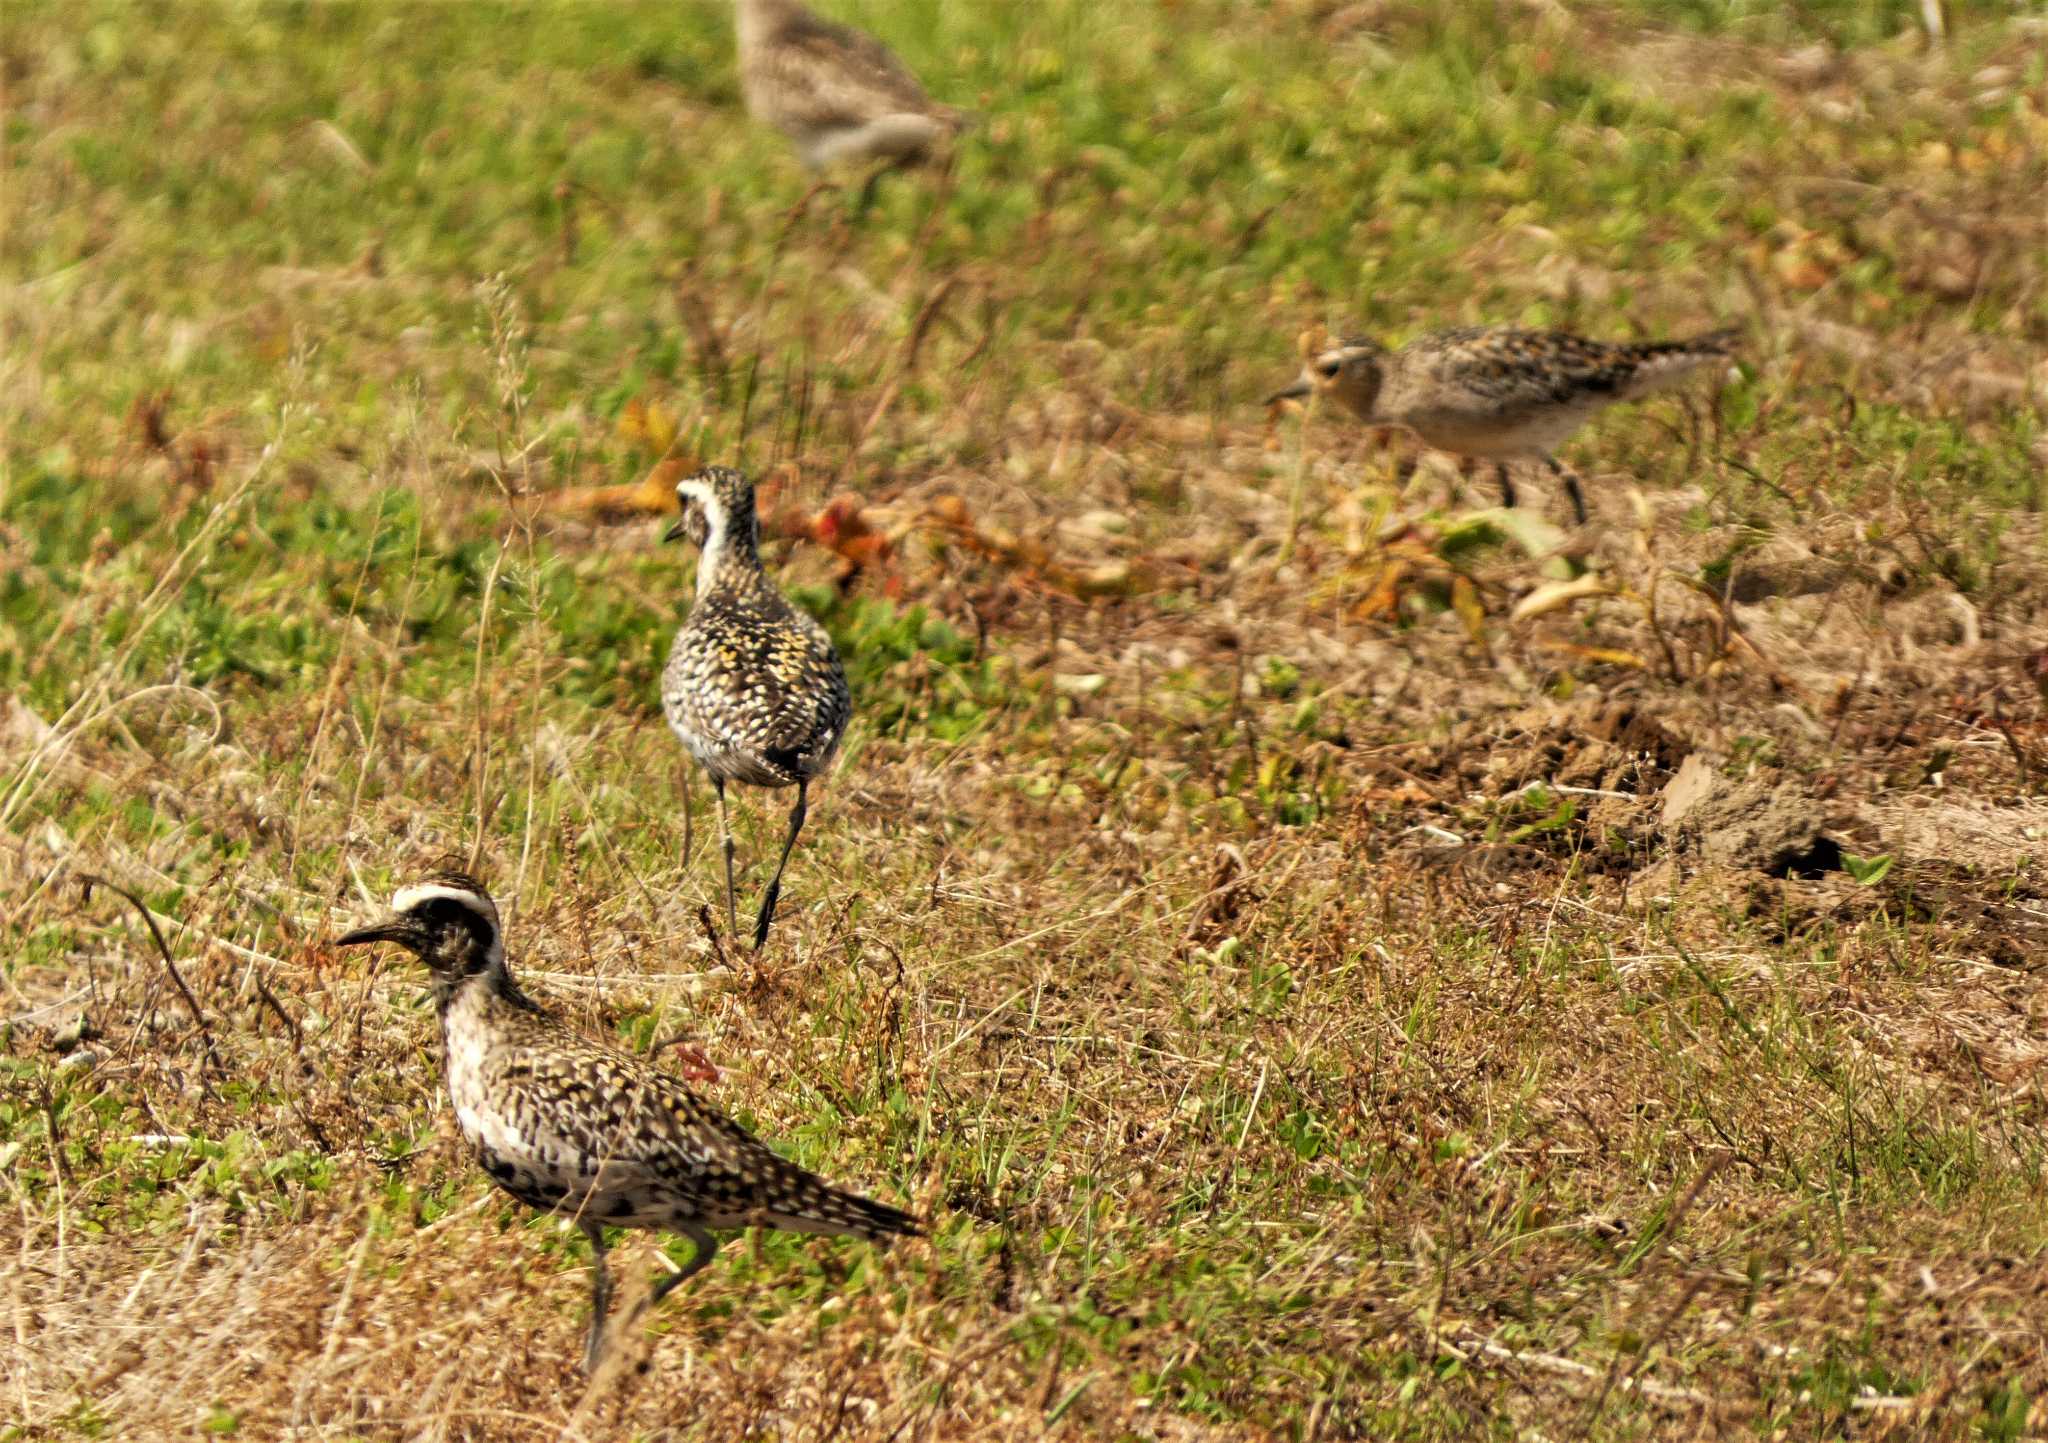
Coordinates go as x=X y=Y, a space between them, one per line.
x=1497 y=394
x=836 y=92
x=571 y=1126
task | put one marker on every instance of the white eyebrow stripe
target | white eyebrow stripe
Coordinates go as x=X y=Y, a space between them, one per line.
x=408 y=898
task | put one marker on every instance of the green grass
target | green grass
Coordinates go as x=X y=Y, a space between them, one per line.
x=1123 y=943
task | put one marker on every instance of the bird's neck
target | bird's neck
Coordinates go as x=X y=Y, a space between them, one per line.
x=1362 y=397
x=732 y=555
x=477 y=975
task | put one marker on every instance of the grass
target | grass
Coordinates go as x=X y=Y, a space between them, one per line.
x=1278 y=971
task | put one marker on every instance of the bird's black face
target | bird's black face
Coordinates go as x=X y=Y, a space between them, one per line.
x=717 y=504
x=711 y=502
x=448 y=922
x=692 y=526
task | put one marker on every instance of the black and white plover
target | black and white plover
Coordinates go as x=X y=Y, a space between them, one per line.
x=1496 y=394
x=836 y=92
x=752 y=686
x=568 y=1125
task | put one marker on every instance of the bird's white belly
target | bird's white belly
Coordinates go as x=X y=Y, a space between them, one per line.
x=1497 y=437
x=887 y=137
x=729 y=764
x=490 y=1132
x=484 y=1126
x=524 y=1158
x=539 y=1167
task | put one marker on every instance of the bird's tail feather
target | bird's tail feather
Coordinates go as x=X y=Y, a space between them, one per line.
x=814 y=1206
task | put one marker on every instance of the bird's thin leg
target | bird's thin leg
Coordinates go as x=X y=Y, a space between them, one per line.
x=600 y=1294
x=1507 y=484
x=948 y=183
x=707 y=1247
x=768 y=898
x=732 y=925
x=949 y=172
x=1467 y=468
x=867 y=191
x=689 y=824
x=1571 y=485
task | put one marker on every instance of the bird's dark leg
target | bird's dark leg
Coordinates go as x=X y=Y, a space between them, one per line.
x=600 y=1293
x=707 y=1248
x=867 y=190
x=732 y=924
x=1507 y=484
x=768 y=898
x=1571 y=485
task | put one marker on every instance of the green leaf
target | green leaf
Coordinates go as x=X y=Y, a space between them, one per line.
x=1868 y=871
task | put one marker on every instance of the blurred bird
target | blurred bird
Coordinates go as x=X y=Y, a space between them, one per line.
x=836 y=92
x=753 y=686
x=568 y=1125
x=1496 y=394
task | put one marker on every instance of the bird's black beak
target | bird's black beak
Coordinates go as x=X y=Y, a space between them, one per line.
x=1293 y=393
x=392 y=929
x=676 y=532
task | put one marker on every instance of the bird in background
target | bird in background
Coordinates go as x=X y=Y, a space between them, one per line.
x=753 y=686
x=836 y=92
x=1493 y=393
x=571 y=1126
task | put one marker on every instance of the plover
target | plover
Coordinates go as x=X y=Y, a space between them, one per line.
x=752 y=686
x=571 y=1126
x=836 y=92
x=1497 y=394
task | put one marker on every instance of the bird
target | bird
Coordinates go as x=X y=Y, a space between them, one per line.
x=753 y=686
x=1495 y=393
x=836 y=92
x=572 y=1126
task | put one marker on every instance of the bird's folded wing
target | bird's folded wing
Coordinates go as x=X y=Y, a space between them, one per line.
x=828 y=75
x=1540 y=365
x=812 y=704
x=776 y=687
x=638 y=1124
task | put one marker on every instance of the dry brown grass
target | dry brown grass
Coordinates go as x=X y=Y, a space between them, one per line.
x=1309 y=998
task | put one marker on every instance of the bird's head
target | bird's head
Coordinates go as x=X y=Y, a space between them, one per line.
x=448 y=921
x=716 y=502
x=1349 y=372
x=718 y=514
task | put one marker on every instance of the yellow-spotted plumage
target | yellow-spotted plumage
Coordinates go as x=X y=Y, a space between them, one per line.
x=753 y=686
x=568 y=1125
